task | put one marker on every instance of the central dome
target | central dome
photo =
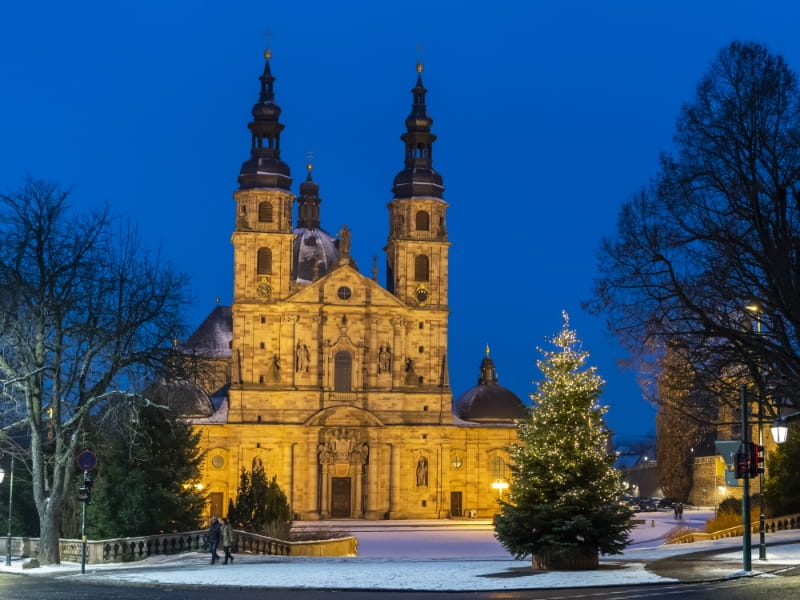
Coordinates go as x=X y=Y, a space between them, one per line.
x=489 y=402
x=314 y=255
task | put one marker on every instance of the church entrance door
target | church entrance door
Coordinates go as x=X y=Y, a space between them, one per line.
x=340 y=497
x=455 y=505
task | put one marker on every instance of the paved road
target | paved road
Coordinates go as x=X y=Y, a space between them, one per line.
x=782 y=586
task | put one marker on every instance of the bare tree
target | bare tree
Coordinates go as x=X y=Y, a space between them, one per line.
x=716 y=231
x=87 y=316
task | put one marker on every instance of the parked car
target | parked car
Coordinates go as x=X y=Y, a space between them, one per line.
x=667 y=502
x=647 y=504
x=631 y=503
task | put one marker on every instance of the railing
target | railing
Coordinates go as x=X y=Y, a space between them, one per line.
x=344 y=396
x=770 y=526
x=139 y=548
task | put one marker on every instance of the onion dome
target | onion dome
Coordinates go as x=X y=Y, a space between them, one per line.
x=489 y=402
x=315 y=251
x=264 y=168
x=418 y=179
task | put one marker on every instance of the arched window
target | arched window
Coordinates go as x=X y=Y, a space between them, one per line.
x=423 y=221
x=264 y=261
x=342 y=372
x=265 y=212
x=421 y=268
x=497 y=467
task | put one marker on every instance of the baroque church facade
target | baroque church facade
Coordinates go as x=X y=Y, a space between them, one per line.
x=331 y=382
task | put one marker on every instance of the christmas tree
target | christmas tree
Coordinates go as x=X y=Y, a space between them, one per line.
x=565 y=495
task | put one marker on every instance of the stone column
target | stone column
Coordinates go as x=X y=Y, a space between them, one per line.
x=310 y=476
x=444 y=481
x=398 y=352
x=376 y=506
x=394 y=480
x=372 y=354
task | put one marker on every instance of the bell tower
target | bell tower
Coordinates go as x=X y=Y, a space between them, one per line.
x=262 y=237
x=417 y=250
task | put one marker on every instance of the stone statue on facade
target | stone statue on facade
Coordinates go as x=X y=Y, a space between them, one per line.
x=385 y=359
x=302 y=358
x=276 y=368
x=422 y=472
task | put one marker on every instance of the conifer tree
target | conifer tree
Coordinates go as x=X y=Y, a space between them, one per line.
x=782 y=487
x=565 y=495
x=145 y=481
x=261 y=506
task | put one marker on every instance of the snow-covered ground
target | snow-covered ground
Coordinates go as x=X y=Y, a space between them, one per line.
x=423 y=555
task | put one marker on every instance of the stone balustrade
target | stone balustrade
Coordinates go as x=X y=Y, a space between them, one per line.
x=138 y=548
x=770 y=526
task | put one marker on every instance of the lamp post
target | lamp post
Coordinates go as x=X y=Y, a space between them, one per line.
x=10 y=498
x=762 y=542
x=746 y=547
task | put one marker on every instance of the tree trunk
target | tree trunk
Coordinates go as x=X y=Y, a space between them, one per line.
x=578 y=559
x=49 y=553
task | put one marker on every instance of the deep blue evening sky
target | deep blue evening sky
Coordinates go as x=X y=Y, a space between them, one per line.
x=549 y=116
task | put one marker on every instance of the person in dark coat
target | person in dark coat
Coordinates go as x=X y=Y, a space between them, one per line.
x=227 y=540
x=214 y=537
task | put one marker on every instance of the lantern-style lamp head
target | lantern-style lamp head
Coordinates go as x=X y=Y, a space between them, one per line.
x=779 y=429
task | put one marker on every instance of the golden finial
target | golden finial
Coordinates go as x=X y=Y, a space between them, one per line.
x=309 y=158
x=217 y=299
x=487 y=349
x=420 y=66
x=175 y=343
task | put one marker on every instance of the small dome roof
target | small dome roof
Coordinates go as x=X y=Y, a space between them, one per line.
x=489 y=402
x=315 y=254
x=212 y=339
x=184 y=396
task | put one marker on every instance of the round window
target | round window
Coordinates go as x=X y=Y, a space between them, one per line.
x=344 y=292
x=218 y=461
x=457 y=462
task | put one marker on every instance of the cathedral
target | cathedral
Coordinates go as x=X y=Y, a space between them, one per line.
x=336 y=384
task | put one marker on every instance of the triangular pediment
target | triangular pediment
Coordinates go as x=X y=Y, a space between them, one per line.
x=345 y=286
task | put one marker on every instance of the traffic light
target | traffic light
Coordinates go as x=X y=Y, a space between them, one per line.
x=740 y=464
x=85 y=490
x=756 y=460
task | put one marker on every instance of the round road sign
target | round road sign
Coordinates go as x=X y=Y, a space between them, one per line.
x=87 y=460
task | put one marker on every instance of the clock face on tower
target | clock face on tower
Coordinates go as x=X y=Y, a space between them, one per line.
x=264 y=288
x=421 y=294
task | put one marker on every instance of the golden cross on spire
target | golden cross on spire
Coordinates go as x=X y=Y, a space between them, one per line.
x=487 y=348
x=420 y=48
x=309 y=159
x=267 y=51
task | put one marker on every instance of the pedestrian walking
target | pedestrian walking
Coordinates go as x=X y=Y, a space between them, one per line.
x=680 y=510
x=227 y=540
x=214 y=536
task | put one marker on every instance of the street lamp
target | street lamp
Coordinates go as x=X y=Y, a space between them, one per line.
x=779 y=429
x=500 y=485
